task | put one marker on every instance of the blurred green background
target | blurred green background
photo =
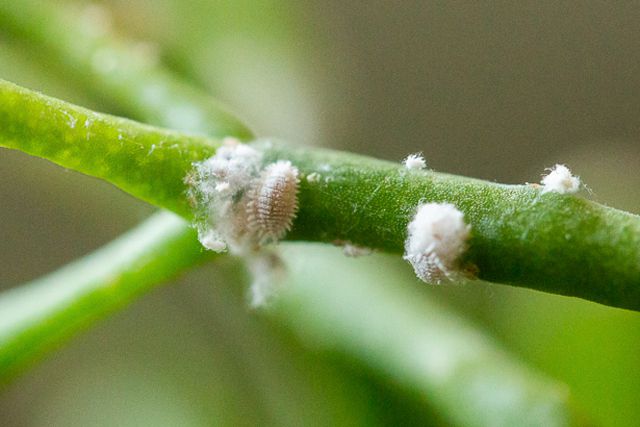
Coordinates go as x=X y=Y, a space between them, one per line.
x=496 y=90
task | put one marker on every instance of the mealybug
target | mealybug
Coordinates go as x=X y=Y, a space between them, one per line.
x=273 y=202
x=560 y=180
x=436 y=237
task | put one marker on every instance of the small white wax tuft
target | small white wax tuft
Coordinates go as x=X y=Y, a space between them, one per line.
x=211 y=240
x=223 y=187
x=313 y=177
x=560 y=180
x=415 y=161
x=268 y=272
x=355 y=251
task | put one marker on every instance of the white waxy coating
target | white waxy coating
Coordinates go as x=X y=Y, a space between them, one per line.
x=355 y=251
x=313 y=177
x=415 y=161
x=267 y=271
x=223 y=187
x=560 y=180
x=211 y=240
x=437 y=237
x=217 y=183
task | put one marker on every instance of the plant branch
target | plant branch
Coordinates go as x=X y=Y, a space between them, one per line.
x=431 y=352
x=539 y=393
x=147 y=162
x=550 y=242
x=37 y=317
x=115 y=69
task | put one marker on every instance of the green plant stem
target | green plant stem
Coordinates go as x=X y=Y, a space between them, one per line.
x=36 y=317
x=426 y=349
x=115 y=69
x=362 y=308
x=288 y=390
x=539 y=393
x=550 y=242
x=140 y=159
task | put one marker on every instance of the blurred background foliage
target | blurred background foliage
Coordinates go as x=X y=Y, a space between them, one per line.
x=492 y=90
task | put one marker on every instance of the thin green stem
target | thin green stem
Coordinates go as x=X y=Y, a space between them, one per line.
x=329 y=301
x=362 y=308
x=37 y=317
x=123 y=73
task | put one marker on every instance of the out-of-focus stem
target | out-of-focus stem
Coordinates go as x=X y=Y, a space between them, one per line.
x=123 y=73
x=36 y=317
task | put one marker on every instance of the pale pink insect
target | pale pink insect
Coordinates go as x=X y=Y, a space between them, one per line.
x=273 y=202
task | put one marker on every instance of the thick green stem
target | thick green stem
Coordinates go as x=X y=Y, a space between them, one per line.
x=549 y=242
x=554 y=243
x=142 y=160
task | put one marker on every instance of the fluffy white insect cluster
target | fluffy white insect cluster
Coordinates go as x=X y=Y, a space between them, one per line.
x=437 y=237
x=219 y=185
x=242 y=207
x=415 y=161
x=560 y=180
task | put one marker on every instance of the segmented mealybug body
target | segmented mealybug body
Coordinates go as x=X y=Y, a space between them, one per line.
x=273 y=202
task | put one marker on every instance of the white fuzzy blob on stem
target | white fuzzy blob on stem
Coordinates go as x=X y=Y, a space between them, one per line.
x=415 y=162
x=560 y=180
x=267 y=271
x=240 y=203
x=212 y=240
x=219 y=186
x=355 y=251
x=437 y=237
x=313 y=177
x=242 y=206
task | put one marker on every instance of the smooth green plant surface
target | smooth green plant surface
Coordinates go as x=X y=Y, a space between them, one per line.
x=520 y=237
x=362 y=310
x=114 y=69
x=39 y=315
